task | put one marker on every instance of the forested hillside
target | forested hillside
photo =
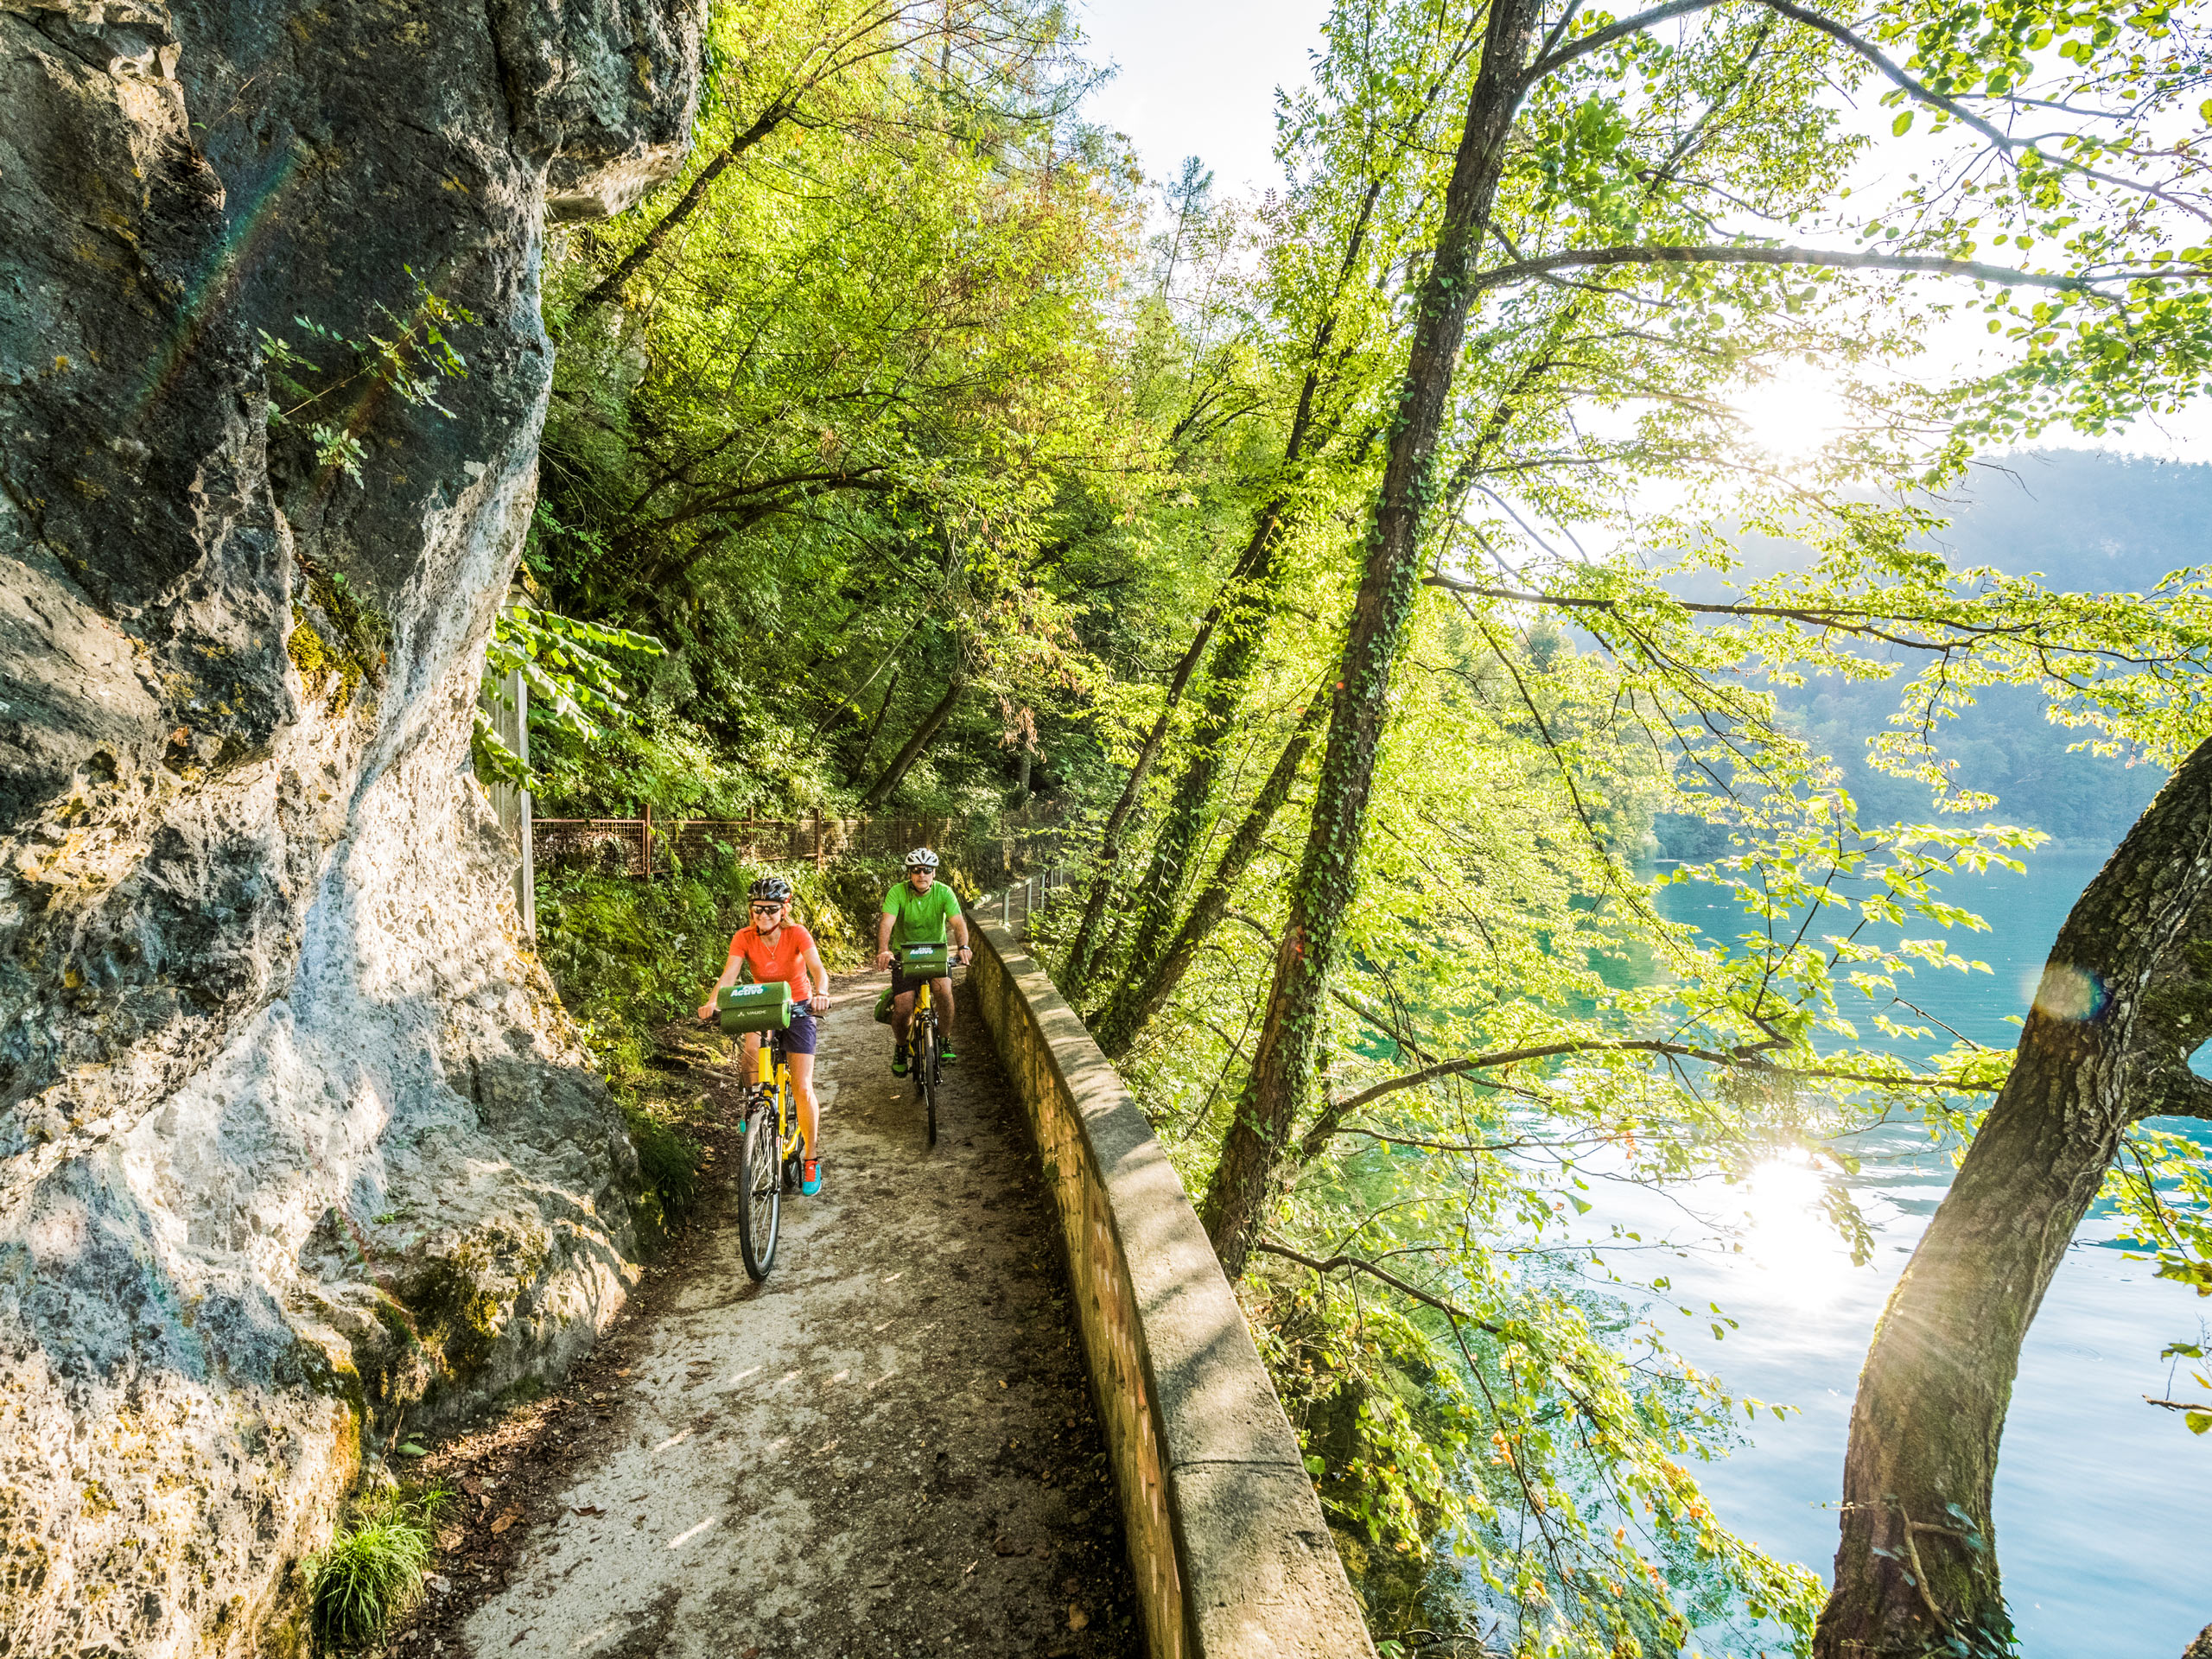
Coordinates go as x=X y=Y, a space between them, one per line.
x=2082 y=522
x=957 y=466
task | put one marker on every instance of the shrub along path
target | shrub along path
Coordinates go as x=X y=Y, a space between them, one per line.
x=886 y=1448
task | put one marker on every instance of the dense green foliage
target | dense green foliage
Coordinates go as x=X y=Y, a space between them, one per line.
x=945 y=485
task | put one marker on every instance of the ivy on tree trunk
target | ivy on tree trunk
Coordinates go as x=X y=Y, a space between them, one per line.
x=1152 y=981
x=1235 y=665
x=1244 y=1182
x=1268 y=525
x=1079 y=964
x=896 y=772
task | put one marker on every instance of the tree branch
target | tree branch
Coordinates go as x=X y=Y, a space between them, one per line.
x=610 y=286
x=1951 y=106
x=2175 y=1093
x=1332 y=1263
x=1551 y=62
x=1754 y=254
x=1748 y=1055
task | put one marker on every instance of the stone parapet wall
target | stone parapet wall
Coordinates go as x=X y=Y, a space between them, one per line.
x=1233 y=1560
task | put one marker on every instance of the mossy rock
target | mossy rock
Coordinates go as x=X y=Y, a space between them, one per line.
x=458 y=1302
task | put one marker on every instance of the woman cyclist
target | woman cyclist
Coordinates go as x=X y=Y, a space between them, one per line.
x=775 y=947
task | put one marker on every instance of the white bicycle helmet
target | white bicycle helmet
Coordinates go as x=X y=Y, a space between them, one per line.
x=921 y=859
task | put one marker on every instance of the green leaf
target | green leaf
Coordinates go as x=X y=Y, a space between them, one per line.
x=1902 y=125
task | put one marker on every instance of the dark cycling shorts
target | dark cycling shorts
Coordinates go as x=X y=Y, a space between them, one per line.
x=903 y=985
x=799 y=1036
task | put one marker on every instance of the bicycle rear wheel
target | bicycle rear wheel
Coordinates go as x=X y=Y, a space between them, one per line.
x=760 y=1189
x=926 y=1071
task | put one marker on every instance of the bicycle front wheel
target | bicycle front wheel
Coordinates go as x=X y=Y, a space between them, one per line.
x=926 y=1071
x=760 y=1189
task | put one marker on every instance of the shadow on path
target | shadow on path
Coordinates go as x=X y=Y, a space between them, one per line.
x=886 y=1448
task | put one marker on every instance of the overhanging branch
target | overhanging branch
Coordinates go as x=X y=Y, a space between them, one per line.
x=1324 y=1266
x=1726 y=253
x=1748 y=1056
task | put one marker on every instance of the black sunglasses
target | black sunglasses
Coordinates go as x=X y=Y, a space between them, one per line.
x=765 y=910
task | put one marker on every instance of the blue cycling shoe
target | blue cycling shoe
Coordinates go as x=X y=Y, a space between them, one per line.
x=809 y=1177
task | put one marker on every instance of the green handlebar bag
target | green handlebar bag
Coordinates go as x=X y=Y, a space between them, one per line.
x=925 y=961
x=755 y=1007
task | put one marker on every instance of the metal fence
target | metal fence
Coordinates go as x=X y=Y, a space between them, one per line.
x=1023 y=896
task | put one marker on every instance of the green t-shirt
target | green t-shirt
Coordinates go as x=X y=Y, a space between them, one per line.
x=920 y=918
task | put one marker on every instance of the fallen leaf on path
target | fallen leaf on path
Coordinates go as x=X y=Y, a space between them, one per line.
x=473 y=1486
x=505 y=1520
x=591 y=1508
x=971 y=1567
x=1076 y=1617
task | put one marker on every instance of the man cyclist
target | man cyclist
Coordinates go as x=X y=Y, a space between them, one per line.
x=775 y=947
x=919 y=910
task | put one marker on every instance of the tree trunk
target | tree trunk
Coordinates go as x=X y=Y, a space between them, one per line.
x=896 y=772
x=1267 y=526
x=875 y=722
x=2127 y=995
x=1239 y=1196
x=1235 y=665
x=1136 y=1001
x=1078 y=965
x=610 y=287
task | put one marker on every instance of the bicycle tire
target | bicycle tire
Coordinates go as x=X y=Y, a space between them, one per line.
x=759 y=1191
x=926 y=1071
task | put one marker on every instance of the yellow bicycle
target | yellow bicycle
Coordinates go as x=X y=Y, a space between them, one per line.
x=921 y=1031
x=768 y=1147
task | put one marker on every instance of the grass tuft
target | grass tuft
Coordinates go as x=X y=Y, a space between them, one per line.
x=372 y=1570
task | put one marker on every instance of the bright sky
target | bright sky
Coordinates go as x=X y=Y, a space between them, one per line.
x=1199 y=78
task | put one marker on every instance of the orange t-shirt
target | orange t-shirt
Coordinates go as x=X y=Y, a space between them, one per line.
x=785 y=959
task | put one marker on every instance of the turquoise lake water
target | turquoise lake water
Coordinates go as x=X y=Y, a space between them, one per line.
x=2103 y=1503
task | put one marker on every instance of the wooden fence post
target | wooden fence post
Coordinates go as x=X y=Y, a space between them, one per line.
x=818 y=858
x=645 y=839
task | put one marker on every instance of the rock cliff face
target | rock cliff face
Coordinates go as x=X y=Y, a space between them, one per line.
x=293 y=1145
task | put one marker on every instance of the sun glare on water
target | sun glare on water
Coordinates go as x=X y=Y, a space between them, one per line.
x=1788 y=1231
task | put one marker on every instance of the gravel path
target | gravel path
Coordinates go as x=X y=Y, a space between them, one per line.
x=886 y=1448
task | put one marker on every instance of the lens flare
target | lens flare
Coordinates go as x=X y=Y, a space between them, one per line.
x=2069 y=993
